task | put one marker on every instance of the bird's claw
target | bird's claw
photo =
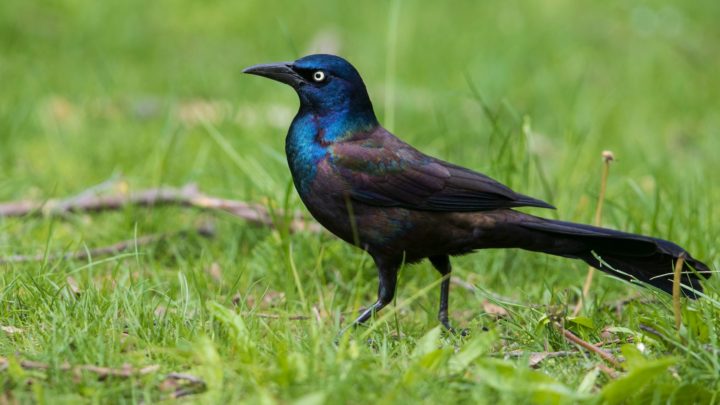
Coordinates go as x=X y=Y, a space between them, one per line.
x=457 y=332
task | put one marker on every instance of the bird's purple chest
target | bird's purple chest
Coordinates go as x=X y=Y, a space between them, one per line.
x=325 y=197
x=330 y=204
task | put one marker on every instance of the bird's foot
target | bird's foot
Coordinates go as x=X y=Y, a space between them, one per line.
x=344 y=330
x=457 y=332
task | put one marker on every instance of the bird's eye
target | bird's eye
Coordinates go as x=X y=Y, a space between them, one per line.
x=319 y=76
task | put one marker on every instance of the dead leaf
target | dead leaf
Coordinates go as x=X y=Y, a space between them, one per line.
x=536 y=358
x=237 y=298
x=492 y=309
x=169 y=384
x=149 y=369
x=215 y=272
x=606 y=335
x=271 y=299
x=11 y=330
x=73 y=285
x=7 y=398
x=318 y=316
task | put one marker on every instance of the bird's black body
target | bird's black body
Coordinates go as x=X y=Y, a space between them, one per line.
x=375 y=191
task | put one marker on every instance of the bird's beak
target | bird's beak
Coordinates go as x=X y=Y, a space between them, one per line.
x=281 y=72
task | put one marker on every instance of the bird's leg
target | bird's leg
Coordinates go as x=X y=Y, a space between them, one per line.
x=442 y=264
x=387 y=277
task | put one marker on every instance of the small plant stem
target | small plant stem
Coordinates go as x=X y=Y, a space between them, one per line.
x=676 y=291
x=607 y=158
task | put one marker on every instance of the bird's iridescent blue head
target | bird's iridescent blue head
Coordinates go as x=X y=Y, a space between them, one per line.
x=327 y=85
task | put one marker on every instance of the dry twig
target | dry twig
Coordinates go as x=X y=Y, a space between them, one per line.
x=572 y=338
x=187 y=196
x=535 y=358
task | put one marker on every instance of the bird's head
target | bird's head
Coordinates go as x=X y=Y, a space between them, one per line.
x=327 y=85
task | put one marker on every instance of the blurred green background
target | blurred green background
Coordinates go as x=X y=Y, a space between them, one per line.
x=92 y=87
x=528 y=92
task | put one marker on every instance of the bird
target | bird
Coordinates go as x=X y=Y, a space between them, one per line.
x=377 y=192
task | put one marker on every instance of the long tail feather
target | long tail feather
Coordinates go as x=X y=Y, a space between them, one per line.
x=625 y=255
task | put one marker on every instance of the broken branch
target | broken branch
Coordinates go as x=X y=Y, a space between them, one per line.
x=572 y=338
x=186 y=196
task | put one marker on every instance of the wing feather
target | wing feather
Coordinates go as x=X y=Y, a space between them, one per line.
x=379 y=169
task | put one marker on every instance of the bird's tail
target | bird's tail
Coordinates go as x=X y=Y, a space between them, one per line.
x=625 y=255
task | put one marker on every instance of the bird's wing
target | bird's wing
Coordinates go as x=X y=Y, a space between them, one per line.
x=382 y=170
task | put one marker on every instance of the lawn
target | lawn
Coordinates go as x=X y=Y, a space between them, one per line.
x=114 y=97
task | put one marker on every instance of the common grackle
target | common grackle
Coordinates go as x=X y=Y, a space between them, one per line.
x=377 y=192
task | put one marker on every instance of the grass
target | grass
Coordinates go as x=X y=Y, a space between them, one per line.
x=527 y=92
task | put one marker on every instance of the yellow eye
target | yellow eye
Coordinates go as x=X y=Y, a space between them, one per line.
x=319 y=76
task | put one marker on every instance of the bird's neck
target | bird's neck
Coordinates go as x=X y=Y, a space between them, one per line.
x=322 y=129
x=338 y=122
